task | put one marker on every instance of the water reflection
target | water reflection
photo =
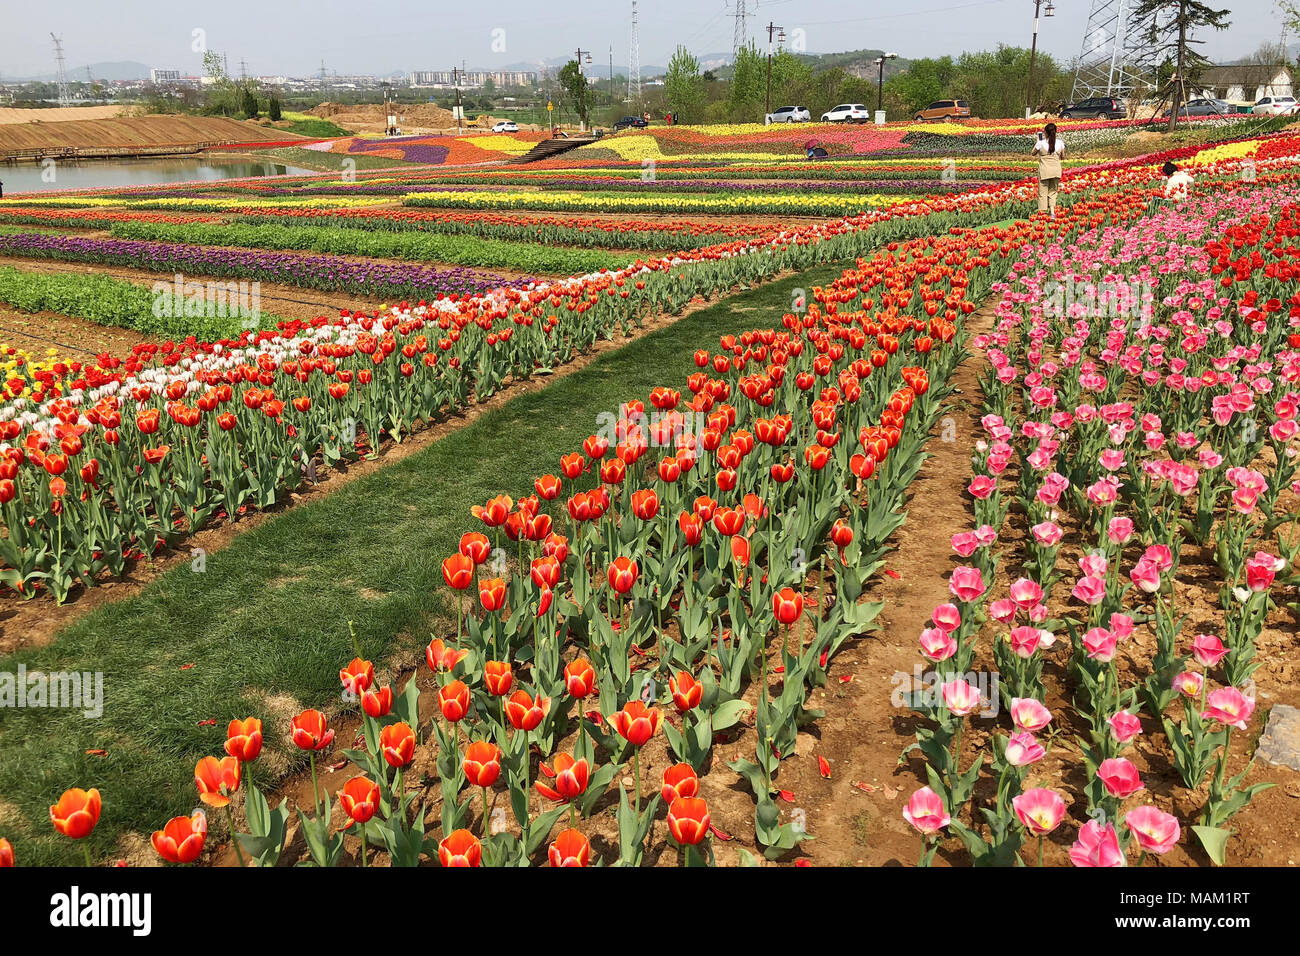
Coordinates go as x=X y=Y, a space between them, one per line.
x=102 y=174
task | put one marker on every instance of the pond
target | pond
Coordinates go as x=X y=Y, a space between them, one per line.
x=102 y=174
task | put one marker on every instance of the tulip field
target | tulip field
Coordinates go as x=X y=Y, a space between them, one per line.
x=672 y=502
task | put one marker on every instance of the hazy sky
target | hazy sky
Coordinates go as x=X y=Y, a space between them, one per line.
x=355 y=36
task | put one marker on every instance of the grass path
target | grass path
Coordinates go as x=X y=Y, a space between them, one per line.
x=265 y=625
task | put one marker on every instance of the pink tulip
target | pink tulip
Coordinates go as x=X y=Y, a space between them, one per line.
x=1124 y=726
x=1261 y=569
x=936 y=645
x=960 y=697
x=1119 y=530
x=965 y=543
x=1119 y=777
x=1146 y=576
x=946 y=617
x=1154 y=830
x=1003 y=610
x=1090 y=590
x=1189 y=684
x=1094 y=565
x=1040 y=810
x=1026 y=640
x=1029 y=715
x=982 y=486
x=1023 y=749
x=926 y=812
x=1160 y=556
x=966 y=583
x=1112 y=459
x=1121 y=625
x=1047 y=534
x=1208 y=649
x=1025 y=593
x=1099 y=643
x=1097 y=846
x=1230 y=707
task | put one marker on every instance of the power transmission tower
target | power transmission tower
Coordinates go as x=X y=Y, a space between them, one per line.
x=741 y=35
x=634 y=62
x=61 y=73
x=1116 y=50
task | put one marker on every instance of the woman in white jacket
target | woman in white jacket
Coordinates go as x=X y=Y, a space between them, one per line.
x=1050 y=150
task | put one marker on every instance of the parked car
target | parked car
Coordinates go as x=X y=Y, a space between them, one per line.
x=1203 y=107
x=631 y=122
x=944 y=110
x=1274 y=105
x=506 y=126
x=1096 y=107
x=847 y=113
x=790 y=114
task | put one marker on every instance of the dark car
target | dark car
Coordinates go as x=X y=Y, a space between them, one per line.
x=631 y=122
x=1204 y=107
x=1096 y=107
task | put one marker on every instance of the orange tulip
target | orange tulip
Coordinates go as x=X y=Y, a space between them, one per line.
x=6 y=853
x=217 y=779
x=458 y=571
x=636 y=722
x=492 y=594
x=679 y=781
x=482 y=763
x=787 y=605
x=454 y=700
x=377 y=702
x=686 y=690
x=441 y=657
x=622 y=574
x=357 y=677
x=570 y=848
x=76 y=813
x=359 y=798
x=310 y=731
x=181 y=839
x=688 y=820
x=475 y=546
x=460 y=848
x=498 y=677
x=571 y=778
x=397 y=741
x=244 y=739
x=524 y=712
x=579 y=678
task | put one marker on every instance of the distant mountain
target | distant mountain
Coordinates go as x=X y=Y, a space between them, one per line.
x=116 y=71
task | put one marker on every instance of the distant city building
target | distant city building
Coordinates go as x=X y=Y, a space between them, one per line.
x=164 y=76
x=472 y=79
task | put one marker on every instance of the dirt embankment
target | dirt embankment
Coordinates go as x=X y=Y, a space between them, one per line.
x=138 y=131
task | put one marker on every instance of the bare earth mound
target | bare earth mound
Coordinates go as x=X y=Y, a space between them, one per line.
x=135 y=131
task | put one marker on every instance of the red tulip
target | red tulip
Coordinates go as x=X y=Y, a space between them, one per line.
x=475 y=546
x=636 y=722
x=482 y=763
x=217 y=780
x=688 y=820
x=360 y=798
x=310 y=731
x=686 y=690
x=244 y=739
x=492 y=594
x=680 y=780
x=6 y=853
x=525 y=713
x=570 y=848
x=787 y=605
x=458 y=571
x=397 y=742
x=377 y=702
x=181 y=839
x=357 y=676
x=441 y=657
x=76 y=813
x=622 y=574
x=460 y=848
x=571 y=778
x=454 y=700
x=579 y=678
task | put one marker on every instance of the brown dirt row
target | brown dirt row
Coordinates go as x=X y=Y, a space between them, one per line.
x=133 y=131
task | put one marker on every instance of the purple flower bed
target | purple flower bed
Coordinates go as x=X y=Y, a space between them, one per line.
x=331 y=273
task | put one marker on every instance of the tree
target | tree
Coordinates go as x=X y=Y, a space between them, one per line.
x=1173 y=23
x=273 y=109
x=574 y=84
x=684 y=86
x=248 y=102
x=745 y=90
x=222 y=97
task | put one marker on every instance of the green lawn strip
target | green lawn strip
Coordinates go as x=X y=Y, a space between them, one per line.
x=269 y=615
x=105 y=300
x=527 y=257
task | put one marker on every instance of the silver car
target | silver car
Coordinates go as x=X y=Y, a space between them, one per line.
x=789 y=114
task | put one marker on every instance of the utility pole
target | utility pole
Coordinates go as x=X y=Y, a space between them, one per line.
x=582 y=89
x=456 y=75
x=767 y=97
x=880 y=82
x=1033 y=51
